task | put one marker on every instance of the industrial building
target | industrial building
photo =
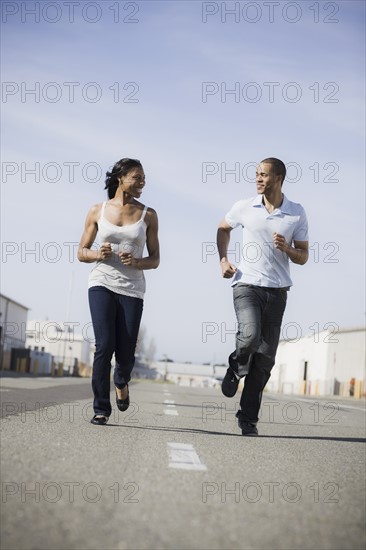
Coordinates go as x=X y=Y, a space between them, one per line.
x=13 y=322
x=325 y=363
x=69 y=348
x=330 y=362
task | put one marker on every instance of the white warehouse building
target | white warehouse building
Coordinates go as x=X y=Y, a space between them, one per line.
x=327 y=363
x=68 y=347
x=13 y=319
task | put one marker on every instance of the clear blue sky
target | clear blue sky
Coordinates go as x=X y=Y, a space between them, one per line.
x=154 y=89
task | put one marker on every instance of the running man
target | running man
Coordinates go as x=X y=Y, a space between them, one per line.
x=275 y=230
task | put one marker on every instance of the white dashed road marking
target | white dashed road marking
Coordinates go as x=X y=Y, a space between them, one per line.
x=183 y=456
x=170 y=407
x=171 y=412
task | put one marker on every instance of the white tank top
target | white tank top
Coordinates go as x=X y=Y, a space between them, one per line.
x=111 y=273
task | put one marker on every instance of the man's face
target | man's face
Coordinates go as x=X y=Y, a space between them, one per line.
x=266 y=180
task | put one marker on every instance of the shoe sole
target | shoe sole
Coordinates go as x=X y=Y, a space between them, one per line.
x=98 y=423
x=228 y=394
x=229 y=391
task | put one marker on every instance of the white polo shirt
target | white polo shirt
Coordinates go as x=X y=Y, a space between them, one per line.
x=261 y=263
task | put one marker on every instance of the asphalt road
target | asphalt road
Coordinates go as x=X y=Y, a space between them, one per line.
x=174 y=472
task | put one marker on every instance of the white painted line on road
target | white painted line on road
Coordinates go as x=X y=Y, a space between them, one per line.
x=184 y=457
x=171 y=412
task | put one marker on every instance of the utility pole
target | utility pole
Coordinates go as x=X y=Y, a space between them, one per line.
x=68 y=318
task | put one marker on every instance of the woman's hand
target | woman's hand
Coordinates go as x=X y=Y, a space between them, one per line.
x=127 y=259
x=105 y=251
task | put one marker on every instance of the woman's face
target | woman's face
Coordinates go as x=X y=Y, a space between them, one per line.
x=133 y=183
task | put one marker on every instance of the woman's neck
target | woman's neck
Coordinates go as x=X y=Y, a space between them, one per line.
x=122 y=198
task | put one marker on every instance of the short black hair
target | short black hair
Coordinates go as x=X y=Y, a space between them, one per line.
x=278 y=167
x=121 y=168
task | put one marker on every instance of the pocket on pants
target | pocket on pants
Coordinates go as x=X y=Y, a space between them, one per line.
x=241 y=289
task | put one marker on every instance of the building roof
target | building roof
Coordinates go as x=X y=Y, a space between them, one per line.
x=188 y=368
x=332 y=329
x=351 y=329
x=14 y=302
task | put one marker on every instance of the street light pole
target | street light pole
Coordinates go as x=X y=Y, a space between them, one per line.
x=68 y=318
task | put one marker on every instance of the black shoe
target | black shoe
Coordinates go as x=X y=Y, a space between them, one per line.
x=249 y=429
x=246 y=427
x=123 y=404
x=230 y=383
x=99 y=420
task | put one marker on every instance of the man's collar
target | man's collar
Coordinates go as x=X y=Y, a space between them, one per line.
x=258 y=200
x=285 y=206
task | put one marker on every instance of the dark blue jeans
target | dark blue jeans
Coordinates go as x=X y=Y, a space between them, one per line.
x=259 y=313
x=116 y=321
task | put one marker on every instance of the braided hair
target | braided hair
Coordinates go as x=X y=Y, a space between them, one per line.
x=121 y=168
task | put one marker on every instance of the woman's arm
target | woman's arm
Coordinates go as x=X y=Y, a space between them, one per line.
x=152 y=243
x=88 y=238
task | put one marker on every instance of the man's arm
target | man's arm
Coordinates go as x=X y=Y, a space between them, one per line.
x=222 y=240
x=298 y=254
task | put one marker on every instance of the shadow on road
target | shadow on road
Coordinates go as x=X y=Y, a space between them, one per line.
x=207 y=432
x=317 y=437
x=176 y=430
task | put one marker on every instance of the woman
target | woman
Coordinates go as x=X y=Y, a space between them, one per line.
x=117 y=282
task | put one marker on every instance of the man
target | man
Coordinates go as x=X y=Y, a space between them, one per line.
x=275 y=230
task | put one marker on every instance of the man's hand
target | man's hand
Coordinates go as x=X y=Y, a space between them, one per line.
x=298 y=254
x=227 y=269
x=279 y=242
